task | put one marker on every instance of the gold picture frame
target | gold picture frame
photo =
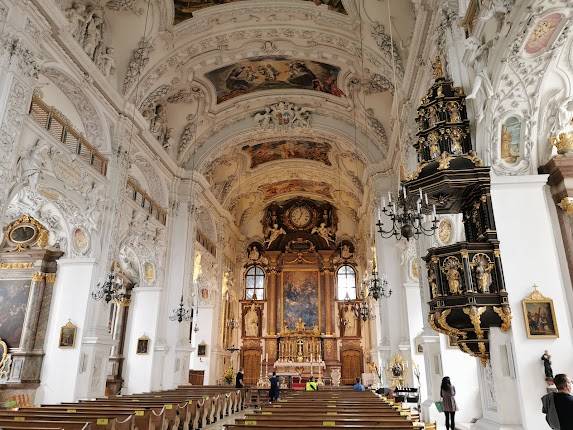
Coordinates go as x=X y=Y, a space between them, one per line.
x=539 y=316
x=142 y=345
x=68 y=335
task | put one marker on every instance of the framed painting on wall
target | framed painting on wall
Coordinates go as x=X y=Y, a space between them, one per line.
x=539 y=314
x=142 y=345
x=201 y=350
x=68 y=335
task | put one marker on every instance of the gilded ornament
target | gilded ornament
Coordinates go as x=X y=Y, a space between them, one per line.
x=504 y=312
x=457 y=137
x=433 y=281
x=38 y=277
x=451 y=268
x=496 y=253
x=445 y=231
x=450 y=331
x=563 y=142
x=50 y=278
x=454 y=111
x=438 y=68
x=16 y=266
x=482 y=267
x=566 y=204
x=464 y=347
x=475 y=314
x=432 y=322
x=444 y=162
x=25 y=232
x=464 y=253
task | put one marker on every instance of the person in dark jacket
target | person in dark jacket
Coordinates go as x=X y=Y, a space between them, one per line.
x=275 y=389
x=448 y=393
x=239 y=379
x=564 y=401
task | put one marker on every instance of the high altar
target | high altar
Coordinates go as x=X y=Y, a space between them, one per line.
x=301 y=325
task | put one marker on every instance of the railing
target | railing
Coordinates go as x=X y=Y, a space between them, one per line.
x=206 y=243
x=59 y=127
x=142 y=199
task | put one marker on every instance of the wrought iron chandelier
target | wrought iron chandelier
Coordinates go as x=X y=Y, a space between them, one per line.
x=112 y=289
x=181 y=313
x=233 y=349
x=378 y=287
x=407 y=219
x=363 y=310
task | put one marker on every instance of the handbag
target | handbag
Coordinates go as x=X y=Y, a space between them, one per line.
x=439 y=406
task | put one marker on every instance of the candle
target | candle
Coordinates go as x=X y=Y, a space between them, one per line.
x=389 y=196
x=404 y=191
x=434 y=210
x=420 y=193
x=379 y=214
x=267 y=356
x=383 y=202
x=426 y=198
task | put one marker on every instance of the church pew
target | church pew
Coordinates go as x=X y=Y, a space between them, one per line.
x=144 y=418
x=104 y=421
x=43 y=424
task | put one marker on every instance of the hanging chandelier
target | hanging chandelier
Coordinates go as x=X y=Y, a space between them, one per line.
x=378 y=287
x=408 y=220
x=361 y=308
x=112 y=289
x=181 y=313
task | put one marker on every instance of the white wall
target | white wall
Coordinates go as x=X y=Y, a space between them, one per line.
x=204 y=320
x=70 y=301
x=142 y=321
x=532 y=252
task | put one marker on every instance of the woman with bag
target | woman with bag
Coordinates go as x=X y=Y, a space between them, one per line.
x=448 y=393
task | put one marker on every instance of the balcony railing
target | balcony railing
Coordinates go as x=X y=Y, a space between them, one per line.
x=60 y=128
x=147 y=203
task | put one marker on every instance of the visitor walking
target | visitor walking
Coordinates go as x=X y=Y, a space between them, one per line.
x=448 y=393
x=239 y=379
x=275 y=389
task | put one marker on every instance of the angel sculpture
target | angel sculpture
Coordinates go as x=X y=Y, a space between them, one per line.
x=274 y=233
x=324 y=232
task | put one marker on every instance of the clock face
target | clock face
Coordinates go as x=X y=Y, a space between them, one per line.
x=300 y=216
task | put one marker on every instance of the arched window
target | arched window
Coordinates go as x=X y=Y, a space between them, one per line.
x=346 y=283
x=255 y=283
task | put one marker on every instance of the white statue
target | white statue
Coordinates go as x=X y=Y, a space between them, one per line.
x=254 y=254
x=478 y=62
x=283 y=115
x=104 y=60
x=350 y=328
x=93 y=34
x=251 y=322
x=324 y=232
x=75 y=14
x=345 y=251
x=263 y=119
x=274 y=233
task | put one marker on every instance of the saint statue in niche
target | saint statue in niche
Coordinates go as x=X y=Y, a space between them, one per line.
x=510 y=137
x=252 y=322
x=546 y=358
x=345 y=251
x=350 y=329
x=254 y=253
x=483 y=269
x=451 y=269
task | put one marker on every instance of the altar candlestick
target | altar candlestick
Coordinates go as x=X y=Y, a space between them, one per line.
x=389 y=196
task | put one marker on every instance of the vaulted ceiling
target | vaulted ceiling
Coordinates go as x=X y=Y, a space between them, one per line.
x=267 y=98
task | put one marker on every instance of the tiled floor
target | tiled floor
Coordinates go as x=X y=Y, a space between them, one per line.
x=219 y=425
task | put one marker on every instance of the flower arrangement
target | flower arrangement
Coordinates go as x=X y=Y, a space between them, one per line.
x=229 y=375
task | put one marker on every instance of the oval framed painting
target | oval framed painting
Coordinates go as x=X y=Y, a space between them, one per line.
x=80 y=240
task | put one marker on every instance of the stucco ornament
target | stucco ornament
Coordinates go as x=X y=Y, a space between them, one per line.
x=283 y=116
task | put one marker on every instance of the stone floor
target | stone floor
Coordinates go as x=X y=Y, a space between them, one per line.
x=219 y=425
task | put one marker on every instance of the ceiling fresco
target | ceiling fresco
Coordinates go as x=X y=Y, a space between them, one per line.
x=295 y=186
x=274 y=73
x=288 y=149
x=184 y=8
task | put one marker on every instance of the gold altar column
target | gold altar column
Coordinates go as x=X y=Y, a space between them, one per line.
x=272 y=302
x=329 y=300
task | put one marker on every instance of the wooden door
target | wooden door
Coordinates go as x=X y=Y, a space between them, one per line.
x=196 y=377
x=351 y=366
x=251 y=366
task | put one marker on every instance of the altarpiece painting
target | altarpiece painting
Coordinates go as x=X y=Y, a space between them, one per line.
x=300 y=299
x=13 y=304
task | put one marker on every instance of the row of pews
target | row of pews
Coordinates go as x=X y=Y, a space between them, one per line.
x=338 y=409
x=184 y=408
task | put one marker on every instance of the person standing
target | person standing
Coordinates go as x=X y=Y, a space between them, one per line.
x=564 y=401
x=275 y=389
x=358 y=386
x=239 y=379
x=311 y=385
x=448 y=393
